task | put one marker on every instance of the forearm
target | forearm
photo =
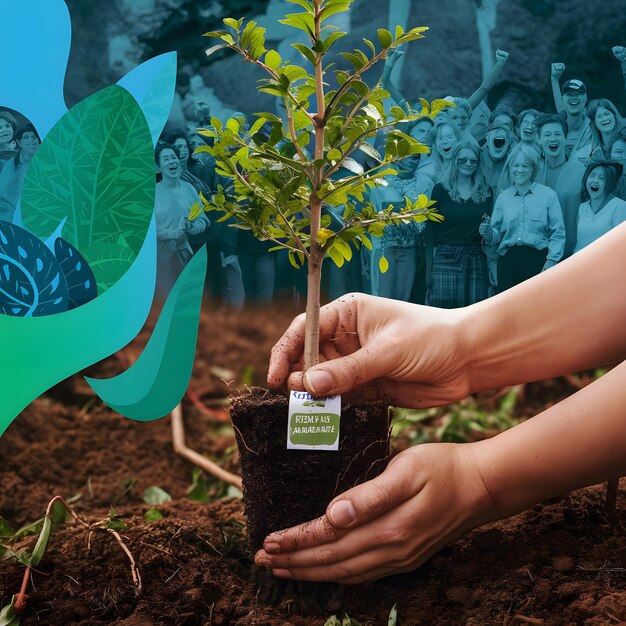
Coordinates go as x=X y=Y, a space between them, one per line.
x=565 y=320
x=486 y=86
x=579 y=442
x=556 y=94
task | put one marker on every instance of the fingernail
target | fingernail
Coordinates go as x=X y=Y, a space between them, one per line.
x=271 y=547
x=281 y=573
x=318 y=382
x=342 y=513
x=263 y=561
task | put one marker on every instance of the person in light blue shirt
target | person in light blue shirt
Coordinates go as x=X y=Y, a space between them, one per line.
x=602 y=210
x=527 y=223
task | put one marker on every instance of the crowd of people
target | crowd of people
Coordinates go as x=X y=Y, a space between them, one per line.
x=519 y=192
x=18 y=145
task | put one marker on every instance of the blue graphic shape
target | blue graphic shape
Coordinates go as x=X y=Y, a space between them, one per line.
x=156 y=382
x=152 y=85
x=81 y=283
x=31 y=281
x=38 y=352
x=35 y=48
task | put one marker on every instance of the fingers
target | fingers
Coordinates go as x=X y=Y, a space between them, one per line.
x=355 y=507
x=345 y=373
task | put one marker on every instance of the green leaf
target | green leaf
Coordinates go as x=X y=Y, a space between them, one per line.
x=356 y=61
x=305 y=51
x=199 y=490
x=234 y=24
x=366 y=241
x=383 y=264
x=353 y=166
x=332 y=38
x=156 y=495
x=370 y=45
x=273 y=59
x=215 y=48
x=42 y=543
x=344 y=249
x=336 y=256
x=384 y=36
x=334 y=155
x=233 y=125
x=152 y=515
x=333 y=8
x=370 y=151
x=301 y=21
x=393 y=616
x=8 y=615
x=5 y=528
x=96 y=168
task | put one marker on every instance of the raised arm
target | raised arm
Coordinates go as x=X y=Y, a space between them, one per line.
x=556 y=72
x=386 y=82
x=490 y=80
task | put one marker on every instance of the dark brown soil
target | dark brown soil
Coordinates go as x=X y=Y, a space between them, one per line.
x=559 y=563
x=274 y=478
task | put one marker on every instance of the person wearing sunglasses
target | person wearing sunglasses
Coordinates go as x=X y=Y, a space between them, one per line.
x=459 y=274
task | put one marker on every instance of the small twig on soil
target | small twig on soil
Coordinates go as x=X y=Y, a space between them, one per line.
x=133 y=566
x=21 y=598
x=180 y=447
x=167 y=580
x=219 y=415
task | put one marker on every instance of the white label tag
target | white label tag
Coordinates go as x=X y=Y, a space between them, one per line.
x=313 y=422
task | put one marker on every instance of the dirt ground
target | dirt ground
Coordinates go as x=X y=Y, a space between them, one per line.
x=559 y=563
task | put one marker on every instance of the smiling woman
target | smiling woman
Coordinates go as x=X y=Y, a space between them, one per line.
x=606 y=125
x=601 y=211
x=177 y=212
x=527 y=223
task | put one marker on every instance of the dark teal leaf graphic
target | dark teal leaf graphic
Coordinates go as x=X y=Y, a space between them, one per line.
x=31 y=281
x=157 y=380
x=81 y=283
x=95 y=167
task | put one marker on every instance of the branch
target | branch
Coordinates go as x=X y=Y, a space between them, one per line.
x=292 y=131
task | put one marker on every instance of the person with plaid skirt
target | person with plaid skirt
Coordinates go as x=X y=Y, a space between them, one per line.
x=459 y=274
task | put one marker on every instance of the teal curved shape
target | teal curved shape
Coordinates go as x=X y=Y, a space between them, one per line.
x=35 y=48
x=39 y=352
x=156 y=382
x=152 y=85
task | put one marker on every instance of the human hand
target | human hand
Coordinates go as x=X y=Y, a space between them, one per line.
x=428 y=496
x=378 y=348
x=485 y=230
x=619 y=52
x=557 y=70
x=502 y=56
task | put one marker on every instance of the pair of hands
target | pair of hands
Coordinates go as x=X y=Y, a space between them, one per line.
x=502 y=56
x=408 y=355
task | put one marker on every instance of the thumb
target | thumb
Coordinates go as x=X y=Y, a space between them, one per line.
x=369 y=500
x=343 y=374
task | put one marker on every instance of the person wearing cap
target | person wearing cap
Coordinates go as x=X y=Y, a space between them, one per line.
x=572 y=101
x=602 y=210
x=558 y=173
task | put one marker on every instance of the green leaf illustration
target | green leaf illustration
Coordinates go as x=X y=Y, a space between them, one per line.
x=95 y=169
